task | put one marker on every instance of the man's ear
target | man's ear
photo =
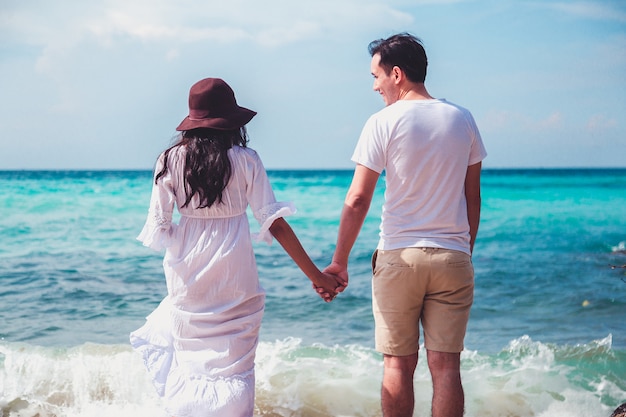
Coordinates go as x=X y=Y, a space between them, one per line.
x=397 y=74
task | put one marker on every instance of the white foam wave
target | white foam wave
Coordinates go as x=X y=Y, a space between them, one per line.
x=620 y=248
x=317 y=380
x=531 y=378
x=88 y=380
x=528 y=378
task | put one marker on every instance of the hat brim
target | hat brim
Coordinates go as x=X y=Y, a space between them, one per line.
x=232 y=121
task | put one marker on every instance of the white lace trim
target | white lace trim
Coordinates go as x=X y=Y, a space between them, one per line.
x=157 y=230
x=266 y=216
x=160 y=219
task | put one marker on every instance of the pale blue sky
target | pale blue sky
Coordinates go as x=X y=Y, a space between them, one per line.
x=102 y=84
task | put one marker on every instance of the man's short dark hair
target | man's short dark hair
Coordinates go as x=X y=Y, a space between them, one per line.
x=404 y=51
x=619 y=411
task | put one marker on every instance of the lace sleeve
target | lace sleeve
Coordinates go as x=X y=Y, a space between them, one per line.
x=266 y=216
x=158 y=230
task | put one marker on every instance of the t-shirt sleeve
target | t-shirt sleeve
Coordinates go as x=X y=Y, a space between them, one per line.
x=477 y=151
x=370 y=149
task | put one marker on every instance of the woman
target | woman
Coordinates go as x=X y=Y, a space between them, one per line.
x=200 y=342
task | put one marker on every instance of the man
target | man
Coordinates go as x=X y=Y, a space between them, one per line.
x=431 y=151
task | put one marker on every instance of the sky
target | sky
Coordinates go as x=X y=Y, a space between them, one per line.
x=102 y=84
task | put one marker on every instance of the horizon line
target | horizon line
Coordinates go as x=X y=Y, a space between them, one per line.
x=526 y=168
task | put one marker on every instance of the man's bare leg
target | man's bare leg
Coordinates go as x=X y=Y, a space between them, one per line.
x=448 y=397
x=397 y=395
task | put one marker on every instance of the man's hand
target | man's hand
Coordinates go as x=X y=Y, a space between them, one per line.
x=328 y=286
x=339 y=277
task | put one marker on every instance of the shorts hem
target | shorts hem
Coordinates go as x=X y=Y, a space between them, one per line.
x=445 y=349
x=396 y=352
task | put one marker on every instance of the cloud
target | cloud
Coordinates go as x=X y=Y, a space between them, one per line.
x=56 y=30
x=503 y=120
x=119 y=24
x=592 y=10
x=268 y=23
x=599 y=123
x=552 y=122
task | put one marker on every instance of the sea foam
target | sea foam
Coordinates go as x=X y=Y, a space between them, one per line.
x=527 y=378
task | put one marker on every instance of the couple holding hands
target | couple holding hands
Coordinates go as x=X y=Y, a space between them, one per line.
x=199 y=344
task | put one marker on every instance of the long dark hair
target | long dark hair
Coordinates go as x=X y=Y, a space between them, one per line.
x=207 y=168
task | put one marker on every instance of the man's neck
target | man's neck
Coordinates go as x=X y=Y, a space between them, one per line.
x=414 y=91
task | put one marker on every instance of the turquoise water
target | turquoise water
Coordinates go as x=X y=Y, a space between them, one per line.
x=547 y=335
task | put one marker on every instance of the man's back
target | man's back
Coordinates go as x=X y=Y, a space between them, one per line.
x=425 y=147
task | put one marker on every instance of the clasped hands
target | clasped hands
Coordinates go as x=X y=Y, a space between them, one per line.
x=333 y=281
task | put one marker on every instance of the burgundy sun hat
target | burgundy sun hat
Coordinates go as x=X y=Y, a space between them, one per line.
x=212 y=104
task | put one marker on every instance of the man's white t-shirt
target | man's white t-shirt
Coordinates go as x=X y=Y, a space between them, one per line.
x=424 y=147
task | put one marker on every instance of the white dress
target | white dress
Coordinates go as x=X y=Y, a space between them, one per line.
x=199 y=344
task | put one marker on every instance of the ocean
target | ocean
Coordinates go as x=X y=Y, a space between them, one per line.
x=547 y=333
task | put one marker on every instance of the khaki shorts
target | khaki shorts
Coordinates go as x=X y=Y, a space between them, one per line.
x=431 y=285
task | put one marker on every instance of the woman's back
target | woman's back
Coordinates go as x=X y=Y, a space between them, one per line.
x=242 y=190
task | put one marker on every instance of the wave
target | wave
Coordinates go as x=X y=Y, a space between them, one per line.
x=527 y=378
